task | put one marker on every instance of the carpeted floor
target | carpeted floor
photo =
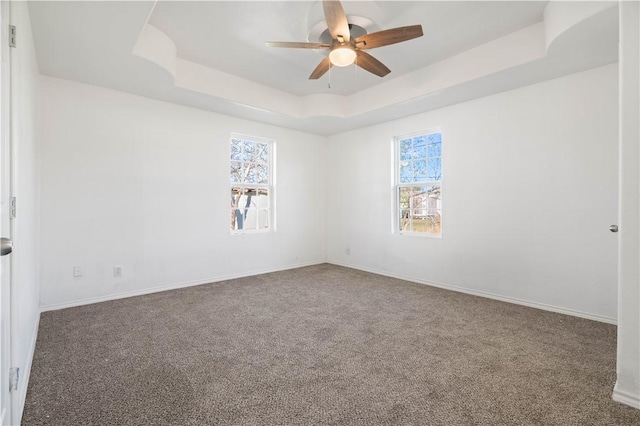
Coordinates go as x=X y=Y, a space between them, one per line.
x=321 y=345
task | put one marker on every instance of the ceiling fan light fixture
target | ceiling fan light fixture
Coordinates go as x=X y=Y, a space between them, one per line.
x=347 y=44
x=342 y=56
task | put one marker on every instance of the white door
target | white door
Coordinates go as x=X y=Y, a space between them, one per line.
x=5 y=221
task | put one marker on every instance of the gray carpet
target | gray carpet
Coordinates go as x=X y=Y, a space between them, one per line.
x=321 y=345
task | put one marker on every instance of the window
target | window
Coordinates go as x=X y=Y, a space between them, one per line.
x=251 y=178
x=418 y=183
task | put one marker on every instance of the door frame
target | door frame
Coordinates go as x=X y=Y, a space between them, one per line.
x=6 y=228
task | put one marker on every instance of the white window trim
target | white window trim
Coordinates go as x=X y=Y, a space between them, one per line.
x=269 y=186
x=396 y=185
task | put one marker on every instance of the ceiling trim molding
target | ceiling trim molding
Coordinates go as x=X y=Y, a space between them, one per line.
x=120 y=50
x=511 y=52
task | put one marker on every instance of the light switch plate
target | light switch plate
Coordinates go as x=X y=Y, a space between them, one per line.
x=77 y=271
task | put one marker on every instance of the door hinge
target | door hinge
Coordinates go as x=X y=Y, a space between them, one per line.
x=14 y=378
x=13 y=36
x=12 y=209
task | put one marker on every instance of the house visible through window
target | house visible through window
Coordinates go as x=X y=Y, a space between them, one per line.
x=419 y=183
x=251 y=177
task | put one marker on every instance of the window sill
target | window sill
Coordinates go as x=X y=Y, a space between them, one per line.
x=253 y=231
x=419 y=235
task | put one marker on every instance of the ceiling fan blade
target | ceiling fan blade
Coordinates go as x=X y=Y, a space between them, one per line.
x=336 y=20
x=322 y=68
x=371 y=64
x=386 y=37
x=299 y=45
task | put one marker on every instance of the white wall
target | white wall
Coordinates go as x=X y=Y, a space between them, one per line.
x=529 y=191
x=145 y=184
x=25 y=286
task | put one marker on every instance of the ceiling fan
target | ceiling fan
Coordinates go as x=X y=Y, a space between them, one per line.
x=344 y=50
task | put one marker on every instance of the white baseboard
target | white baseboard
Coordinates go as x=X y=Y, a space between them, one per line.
x=150 y=290
x=513 y=300
x=21 y=396
x=115 y=296
x=625 y=397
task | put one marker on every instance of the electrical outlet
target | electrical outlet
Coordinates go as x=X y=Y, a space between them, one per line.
x=14 y=378
x=77 y=271
x=117 y=271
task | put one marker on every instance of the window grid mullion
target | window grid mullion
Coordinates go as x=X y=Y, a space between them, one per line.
x=249 y=154
x=420 y=192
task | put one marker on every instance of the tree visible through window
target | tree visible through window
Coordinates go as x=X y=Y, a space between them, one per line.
x=419 y=183
x=251 y=177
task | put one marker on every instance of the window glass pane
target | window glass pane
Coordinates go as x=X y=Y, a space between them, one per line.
x=419 y=147
x=418 y=224
x=261 y=200
x=435 y=138
x=262 y=152
x=434 y=192
x=417 y=201
x=247 y=150
x=406 y=176
x=434 y=222
x=238 y=201
x=435 y=149
x=405 y=149
x=234 y=220
x=236 y=170
x=263 y=219
x=419 y=213
x=420 y=170
x=405 y=221
x=404 y=197
x=250 y=173
x=250 y=219
x=435 y=168
x=418 y=197
x=434 y=199
x=262 y=173
x=236 y=149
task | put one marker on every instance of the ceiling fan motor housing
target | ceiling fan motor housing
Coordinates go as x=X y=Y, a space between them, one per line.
x=347 y=42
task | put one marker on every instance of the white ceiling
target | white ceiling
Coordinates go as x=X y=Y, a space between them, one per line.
x=211 y=54
x=231 y=37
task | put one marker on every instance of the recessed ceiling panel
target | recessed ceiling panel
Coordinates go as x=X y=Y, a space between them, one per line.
x=212 y=55
x=231 y=36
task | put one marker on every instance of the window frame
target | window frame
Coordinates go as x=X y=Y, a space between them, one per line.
x=269 y=186
x=397 y=185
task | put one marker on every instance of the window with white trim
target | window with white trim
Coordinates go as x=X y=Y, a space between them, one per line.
x=251 y=178
x=418 y=183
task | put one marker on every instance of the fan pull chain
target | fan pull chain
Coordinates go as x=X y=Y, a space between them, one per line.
x=329 y=85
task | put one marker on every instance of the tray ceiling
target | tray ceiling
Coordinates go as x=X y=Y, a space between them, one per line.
x=211 y=54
